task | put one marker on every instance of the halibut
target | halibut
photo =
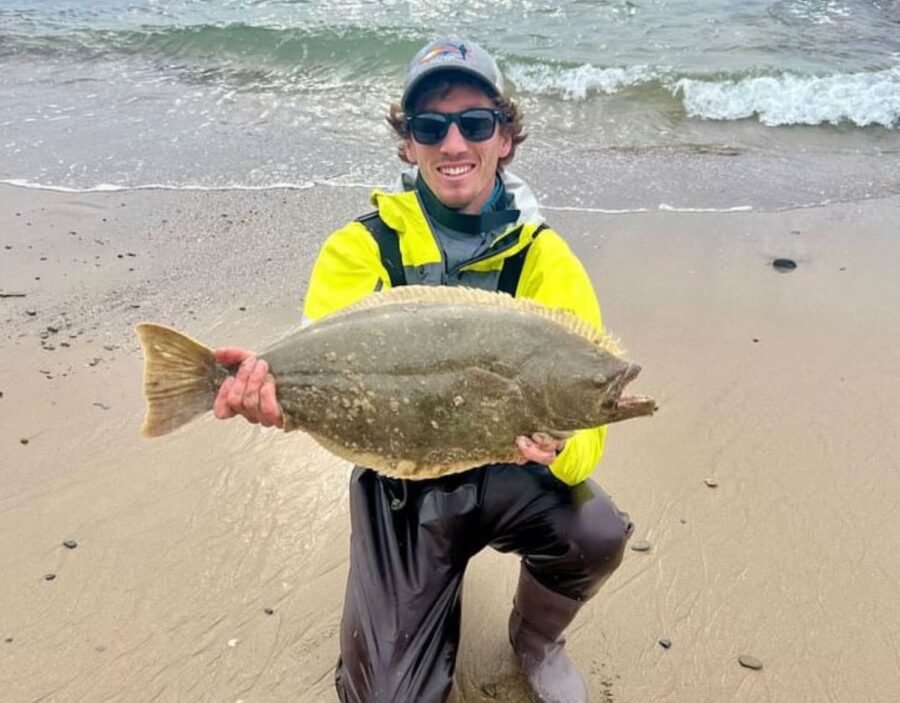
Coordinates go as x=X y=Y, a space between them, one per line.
x=415 y=382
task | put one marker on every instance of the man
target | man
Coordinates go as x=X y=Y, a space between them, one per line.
x=458 y=219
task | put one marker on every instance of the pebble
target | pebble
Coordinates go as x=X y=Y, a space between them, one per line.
x=784 y=265
x=70 y=544
x=269 y=611
x=233 y=643
x=31 y=313
x=749 y=662
x=24 y=440
x=641 y=545
x=665 y=643
x=8 y=640
x=49 y=577
x=711 y=482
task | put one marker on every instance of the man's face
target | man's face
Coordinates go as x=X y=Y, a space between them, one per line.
x=459 y=172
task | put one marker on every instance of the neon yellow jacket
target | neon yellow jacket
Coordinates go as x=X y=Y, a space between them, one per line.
x=349 y=267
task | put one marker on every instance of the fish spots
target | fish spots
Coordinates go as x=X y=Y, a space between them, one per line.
x=406 y=467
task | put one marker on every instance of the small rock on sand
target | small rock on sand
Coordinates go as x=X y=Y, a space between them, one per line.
x=665 y=643
x=711 y=482
x=49 y=577
x=70 y=544
x=641 y=545
x=750 y=662
x=784 y=265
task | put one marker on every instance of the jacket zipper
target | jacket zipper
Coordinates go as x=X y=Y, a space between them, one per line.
x=509 y=241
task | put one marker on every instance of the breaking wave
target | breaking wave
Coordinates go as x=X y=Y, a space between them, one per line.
x=861 y=99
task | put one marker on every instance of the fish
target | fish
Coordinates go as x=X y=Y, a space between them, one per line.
x=415 y=382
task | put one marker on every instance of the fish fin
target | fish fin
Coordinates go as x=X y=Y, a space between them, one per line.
x=405 y=468
x=181 y=378
x=448 y=295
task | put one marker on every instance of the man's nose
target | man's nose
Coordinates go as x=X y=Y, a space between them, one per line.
x=454 y=142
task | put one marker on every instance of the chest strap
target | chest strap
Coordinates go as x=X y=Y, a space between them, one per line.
x=389 y=248
x=512 y=266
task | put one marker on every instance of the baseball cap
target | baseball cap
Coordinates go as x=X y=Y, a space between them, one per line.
x=452 y=54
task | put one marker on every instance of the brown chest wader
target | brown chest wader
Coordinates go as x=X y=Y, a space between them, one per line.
x=410 y=544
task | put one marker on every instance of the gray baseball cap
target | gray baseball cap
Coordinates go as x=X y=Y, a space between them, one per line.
x=452 y=54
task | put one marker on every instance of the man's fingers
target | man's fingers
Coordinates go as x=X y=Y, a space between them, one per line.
x=251 y=390
x=236 y=392
x=221 y=409
x=268 y=404
x=547 y=442
x=533 y=452
x=231 y=356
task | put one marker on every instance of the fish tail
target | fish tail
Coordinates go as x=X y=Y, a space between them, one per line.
x=181 y=378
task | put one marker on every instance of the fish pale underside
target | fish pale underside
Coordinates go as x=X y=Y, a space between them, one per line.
x=416 y=382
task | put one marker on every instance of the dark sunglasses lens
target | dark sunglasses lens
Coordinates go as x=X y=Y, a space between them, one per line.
x=477 y=125
x=429 y=128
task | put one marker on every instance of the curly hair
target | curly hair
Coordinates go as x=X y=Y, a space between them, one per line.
x=438 y=87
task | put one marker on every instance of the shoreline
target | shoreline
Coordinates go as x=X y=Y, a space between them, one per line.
x=777 y=385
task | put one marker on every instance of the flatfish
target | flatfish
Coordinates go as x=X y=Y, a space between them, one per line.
x=417 y=381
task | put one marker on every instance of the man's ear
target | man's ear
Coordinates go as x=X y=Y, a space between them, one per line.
x=505 y=143
x=409 y=148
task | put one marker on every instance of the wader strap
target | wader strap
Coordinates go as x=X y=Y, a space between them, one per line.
x=388 y=245
x=512 y=267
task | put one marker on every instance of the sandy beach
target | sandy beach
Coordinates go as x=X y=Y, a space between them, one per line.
x=210 y=565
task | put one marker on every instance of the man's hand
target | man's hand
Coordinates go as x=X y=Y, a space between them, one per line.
x=540 y=448
x=250 y=392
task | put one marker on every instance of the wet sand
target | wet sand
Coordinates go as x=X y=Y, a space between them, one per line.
x=210 y=565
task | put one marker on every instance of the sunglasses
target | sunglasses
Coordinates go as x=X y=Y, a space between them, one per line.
x=475 y=125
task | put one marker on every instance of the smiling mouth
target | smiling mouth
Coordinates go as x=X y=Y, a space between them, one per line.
x=454 y=171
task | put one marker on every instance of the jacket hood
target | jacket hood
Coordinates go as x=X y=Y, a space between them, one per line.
x=521 y=196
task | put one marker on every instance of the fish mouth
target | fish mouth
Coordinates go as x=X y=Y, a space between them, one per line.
x=624 y=407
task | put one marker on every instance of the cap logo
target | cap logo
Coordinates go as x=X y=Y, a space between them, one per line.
x=445 y=52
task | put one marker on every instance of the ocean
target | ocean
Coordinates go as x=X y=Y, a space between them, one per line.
x=630 y=104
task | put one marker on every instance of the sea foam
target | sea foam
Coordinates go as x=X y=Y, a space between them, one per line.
x=863 y=99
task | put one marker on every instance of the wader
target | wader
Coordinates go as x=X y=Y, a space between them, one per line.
x=412 y=540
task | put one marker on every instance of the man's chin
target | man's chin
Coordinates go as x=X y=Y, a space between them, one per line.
x=453 y=200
